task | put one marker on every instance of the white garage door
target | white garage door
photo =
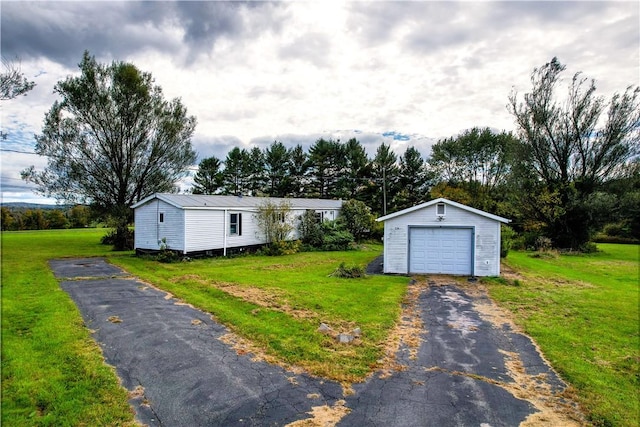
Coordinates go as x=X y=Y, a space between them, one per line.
x=440 y=250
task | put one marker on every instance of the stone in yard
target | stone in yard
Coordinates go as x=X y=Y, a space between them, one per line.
x=324 y=328
x=345 y=338
x=356 y=332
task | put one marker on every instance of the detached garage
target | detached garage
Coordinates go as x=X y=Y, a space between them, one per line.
x=442 y=237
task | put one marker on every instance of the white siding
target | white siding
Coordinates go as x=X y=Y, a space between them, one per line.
x=204 y=230
x=486 y=238
x=149 y=231
x=201 y=229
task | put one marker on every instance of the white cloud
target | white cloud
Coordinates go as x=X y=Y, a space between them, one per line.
x=296 y=71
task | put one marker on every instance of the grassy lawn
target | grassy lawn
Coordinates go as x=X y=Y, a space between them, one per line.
x=279 y=302
x=52 y=371
x=583 y=312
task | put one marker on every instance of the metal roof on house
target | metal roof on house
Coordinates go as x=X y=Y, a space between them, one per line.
x=195 y=201
x=449 y=202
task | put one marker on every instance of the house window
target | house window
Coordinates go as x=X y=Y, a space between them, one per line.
x=319 y=217
x=235 y=224
x=161 y=217
x=440 y=209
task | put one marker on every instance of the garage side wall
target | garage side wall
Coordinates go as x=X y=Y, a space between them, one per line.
x=486 y=251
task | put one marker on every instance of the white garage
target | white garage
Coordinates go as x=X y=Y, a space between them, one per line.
x=442 y=237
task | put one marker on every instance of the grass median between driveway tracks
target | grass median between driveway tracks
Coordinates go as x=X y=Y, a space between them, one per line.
x=582 y=310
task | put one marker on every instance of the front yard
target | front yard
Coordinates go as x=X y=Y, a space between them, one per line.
x=582 y=310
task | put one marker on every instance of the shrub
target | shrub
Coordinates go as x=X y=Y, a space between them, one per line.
x=310 y=230
x=281 y=247
x=357 y=218
x=507 y=236
x=351 y=272
x=335 y=237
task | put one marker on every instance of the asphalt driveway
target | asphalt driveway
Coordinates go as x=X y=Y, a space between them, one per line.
x=466 y=370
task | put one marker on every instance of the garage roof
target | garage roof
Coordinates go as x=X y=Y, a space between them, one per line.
x=448 y=202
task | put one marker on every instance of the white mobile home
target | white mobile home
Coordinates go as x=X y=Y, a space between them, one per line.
x=211 y=224
x=442 y=237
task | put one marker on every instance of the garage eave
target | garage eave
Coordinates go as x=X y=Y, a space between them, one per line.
x=448 y=202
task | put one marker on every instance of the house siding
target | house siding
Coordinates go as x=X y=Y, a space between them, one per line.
x=486 y=238
x=191 y=229
x=149 y=231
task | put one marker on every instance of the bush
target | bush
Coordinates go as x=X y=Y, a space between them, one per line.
x=351 y=272
x=335 y=237
x=281 y=248
x=310 y=230
x=507 y=236
x=357 y=218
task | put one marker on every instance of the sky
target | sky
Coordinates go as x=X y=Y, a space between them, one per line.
x=403 y=73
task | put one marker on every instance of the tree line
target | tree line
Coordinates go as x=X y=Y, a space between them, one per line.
x=20 y=218
x=570 y=168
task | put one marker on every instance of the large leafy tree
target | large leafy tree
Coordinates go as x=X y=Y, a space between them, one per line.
x=112 y=140
x=208 y=179
x=473 y=167
x=569 y=151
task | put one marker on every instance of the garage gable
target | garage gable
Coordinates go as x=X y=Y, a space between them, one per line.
x=442 y=237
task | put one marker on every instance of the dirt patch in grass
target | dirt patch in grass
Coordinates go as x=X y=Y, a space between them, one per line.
x=407 y=332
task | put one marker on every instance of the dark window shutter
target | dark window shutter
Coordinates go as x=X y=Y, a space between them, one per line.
x=239 y=224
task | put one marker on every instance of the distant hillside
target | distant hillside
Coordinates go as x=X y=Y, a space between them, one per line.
x=22 y=205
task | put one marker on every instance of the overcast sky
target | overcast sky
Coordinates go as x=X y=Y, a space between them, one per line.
x=404 y=73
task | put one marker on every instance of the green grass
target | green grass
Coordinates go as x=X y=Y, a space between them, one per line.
x=583 y=312
x=52 y=371
x=301 y=295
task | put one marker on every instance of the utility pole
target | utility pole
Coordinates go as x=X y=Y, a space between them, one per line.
x=384 y=189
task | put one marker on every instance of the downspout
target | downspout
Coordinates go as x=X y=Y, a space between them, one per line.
x=224 y=233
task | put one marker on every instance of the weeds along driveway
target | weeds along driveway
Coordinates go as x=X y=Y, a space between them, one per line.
x=455 y=369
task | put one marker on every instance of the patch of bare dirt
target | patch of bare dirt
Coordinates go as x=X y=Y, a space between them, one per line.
x=408 y=331
x=323 y=416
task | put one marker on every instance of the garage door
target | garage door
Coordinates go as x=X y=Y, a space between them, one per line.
x=440 y=250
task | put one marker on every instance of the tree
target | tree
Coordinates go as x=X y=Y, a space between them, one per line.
x=111 y=141
x=13 y=83
x=413 y=180
x=275 y=222
x=326 y=163
x=278 y=170
x=256 y=167
x=385 y=178
x=79 y=216
x=208 y=179
x=298 y=171
x=568 y=152
x=356 y=170
x=237 y=172
x=357 y=218
x=477 y=163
